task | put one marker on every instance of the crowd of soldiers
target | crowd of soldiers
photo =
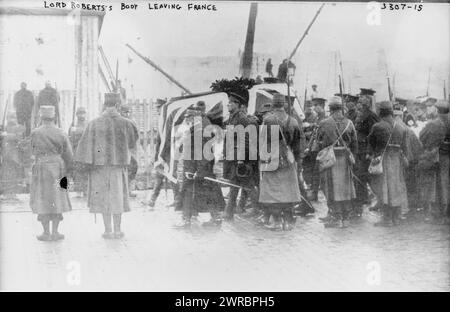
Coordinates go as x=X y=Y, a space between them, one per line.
x=362 y=152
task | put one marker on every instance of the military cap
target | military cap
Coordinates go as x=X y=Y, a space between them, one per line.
x=112 y=99
x=367 y=91
x=125 y=107
x=318 y=101
x=238 y=98
x=278 y=100
x=47 y=111
x=81 y=110
x=401 y=101
x=334 y=102
x=443 y=106
x=350 y=98
x=385 y=105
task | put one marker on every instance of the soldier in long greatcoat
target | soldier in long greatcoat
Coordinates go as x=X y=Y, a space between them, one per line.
x=197 y=193
x=337 y=181
x=105 y=149
x=279 y=187
x=411 y=200
x=53 y=160
x=389 y=140
x=431 y=136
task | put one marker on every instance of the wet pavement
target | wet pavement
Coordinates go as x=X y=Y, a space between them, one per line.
x=239 y=256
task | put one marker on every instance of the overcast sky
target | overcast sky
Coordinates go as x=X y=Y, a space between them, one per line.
x=407 y=36
x=342 y=27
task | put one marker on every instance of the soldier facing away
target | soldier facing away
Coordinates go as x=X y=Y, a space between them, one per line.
x=105 y=147
x=53 y=160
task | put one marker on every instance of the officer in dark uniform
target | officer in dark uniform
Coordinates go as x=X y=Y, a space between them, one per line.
x=239 y=171
x=365 y=119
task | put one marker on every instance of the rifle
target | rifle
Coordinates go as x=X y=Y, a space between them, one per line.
x=445 y=92
x=389 y=89
x=428 y=83
x=342 y=74
x=340 y=92
x=74 y=101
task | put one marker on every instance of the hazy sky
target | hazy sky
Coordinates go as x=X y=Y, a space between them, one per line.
x=342 y=27
x=408 y=37
x=412 y=40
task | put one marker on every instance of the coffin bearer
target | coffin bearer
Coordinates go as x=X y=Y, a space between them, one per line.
x=337 y=181
x=279 y=188
x=75 y=133
x=49 y=96
x=241 y=171
x=197 y=193
x=23 y=104
x=53 y=160
x=105 y=147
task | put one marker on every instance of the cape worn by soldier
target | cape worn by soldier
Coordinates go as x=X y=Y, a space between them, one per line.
x=105 y=147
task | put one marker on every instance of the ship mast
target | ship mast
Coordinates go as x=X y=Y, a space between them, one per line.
x=247 y=56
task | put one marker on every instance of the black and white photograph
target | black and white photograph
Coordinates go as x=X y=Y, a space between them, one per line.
x=224 y=146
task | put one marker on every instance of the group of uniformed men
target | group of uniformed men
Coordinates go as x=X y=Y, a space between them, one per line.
x=374 y=150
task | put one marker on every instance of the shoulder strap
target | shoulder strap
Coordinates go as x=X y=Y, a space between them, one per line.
x=341 y=134
x=389 y=140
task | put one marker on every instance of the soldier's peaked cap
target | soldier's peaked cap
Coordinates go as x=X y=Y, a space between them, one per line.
x=47 y=111
x=366 y=91
x=318 y=101
x=112 y=98
x=238 y=98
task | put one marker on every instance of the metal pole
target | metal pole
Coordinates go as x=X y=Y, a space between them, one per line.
x=306 y=32
x=148 y=61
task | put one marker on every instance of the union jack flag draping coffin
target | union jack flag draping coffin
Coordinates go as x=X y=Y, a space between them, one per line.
x=262 y=94
x=171 y=126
